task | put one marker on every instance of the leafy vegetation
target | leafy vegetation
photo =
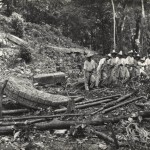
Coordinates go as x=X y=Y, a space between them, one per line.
x=25 y=54
x=91 y=23
x=17 y=25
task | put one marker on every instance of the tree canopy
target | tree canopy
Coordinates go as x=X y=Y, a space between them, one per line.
x=90 y=23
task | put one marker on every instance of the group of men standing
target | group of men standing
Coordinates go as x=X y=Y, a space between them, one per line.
x=115 y=68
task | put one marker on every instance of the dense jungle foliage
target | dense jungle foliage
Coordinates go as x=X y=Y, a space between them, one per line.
x=101 y=25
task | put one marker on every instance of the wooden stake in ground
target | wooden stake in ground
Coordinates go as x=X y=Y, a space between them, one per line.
x=1 y=97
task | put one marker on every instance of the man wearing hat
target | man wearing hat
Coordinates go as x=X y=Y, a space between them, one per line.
x=114 y=58
x=136 y=68
x=113 y=62
x=89 y=68
x=130 y=58
x=102 y=69
x=142 y=66
x=130 y=62
x=120 y=71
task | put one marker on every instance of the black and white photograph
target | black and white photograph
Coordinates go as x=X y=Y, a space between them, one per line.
x=74 y=74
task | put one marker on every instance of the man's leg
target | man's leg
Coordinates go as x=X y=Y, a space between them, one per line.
x=86 y=80
x=98 y=79
x=92 y=81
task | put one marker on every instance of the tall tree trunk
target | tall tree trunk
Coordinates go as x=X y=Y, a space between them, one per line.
x=143 y=26
x=114 y=14
x=143 y=10
x=136 y=43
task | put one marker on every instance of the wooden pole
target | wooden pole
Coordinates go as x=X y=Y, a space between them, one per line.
x=120 y=105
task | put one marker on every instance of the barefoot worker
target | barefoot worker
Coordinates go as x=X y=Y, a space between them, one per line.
x=89 y=68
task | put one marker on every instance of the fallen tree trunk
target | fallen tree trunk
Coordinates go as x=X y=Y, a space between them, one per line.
x=121 y=104
x=57 y=124
x=99 y=99
x=13 y=112
x=39 y=117
x=83 y=106
x=22 y=91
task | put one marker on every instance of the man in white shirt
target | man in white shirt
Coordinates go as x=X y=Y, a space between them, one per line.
x=142 y=66
x=114 y=58
x=101 y=69
x=130 y=59
x=120 y=71
x=89 y=68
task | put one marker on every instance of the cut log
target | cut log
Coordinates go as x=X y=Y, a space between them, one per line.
x=7 y=130
x=121 y=104
x=13 y=112
x=51 y=78
x=57 y=124
x=118 y=100
x=99 y=99
x=22 y=91
x=16 y=40
x=40 y=117
x=113 y=103
x=84 y=106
